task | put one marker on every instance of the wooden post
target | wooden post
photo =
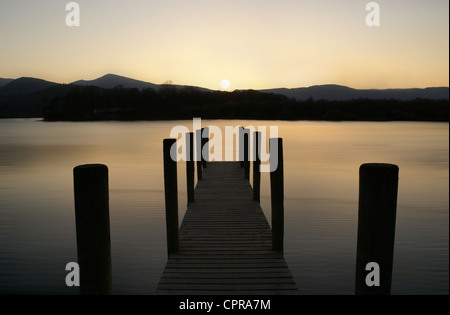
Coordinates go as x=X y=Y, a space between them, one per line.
x=171 y=196
x=93 y=228
x=378 y=187
x=190 y=168
x=205 y=146
x=277 y=193
x=241 y=146
x=256 y=165
x=198 y=136
x=246 y=154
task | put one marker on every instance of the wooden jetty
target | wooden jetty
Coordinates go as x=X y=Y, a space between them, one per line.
x=225 y=242
x=225 y=245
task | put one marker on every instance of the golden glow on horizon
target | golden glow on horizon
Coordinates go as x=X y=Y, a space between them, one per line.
x=258 y=44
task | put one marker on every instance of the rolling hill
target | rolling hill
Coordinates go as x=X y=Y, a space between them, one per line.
x=111 y=81
x=23 y=86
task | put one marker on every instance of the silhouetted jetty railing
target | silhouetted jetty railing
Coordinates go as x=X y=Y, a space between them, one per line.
x=225 y=244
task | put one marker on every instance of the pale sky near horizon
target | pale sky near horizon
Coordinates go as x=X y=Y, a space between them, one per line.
x=252 y=43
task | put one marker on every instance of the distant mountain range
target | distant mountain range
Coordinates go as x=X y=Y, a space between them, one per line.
x=25 y=85
x=26 y=97
x=343 y=93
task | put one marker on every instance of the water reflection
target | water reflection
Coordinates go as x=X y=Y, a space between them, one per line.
x=321 y=189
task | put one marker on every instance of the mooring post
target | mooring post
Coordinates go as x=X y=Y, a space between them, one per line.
x=241 y=146
x=171 y=195
x=246 y=154
x=199 y=146
x=93 y=228
x=205 y=146
x=190 y=168
x=277 y=193
x=256 y=165
x=378 y=189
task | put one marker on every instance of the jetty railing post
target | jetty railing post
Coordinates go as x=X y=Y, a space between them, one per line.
x=199 y=146
x=277 y=193
x=171 y=196
x=205 y=146
x=241 y=146
x=246 y=154
x=190 y=168
x=378 y=189
x=256 y=165
x=93 y=228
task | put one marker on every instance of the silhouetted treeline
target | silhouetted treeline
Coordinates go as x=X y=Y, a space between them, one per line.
x=171 y=103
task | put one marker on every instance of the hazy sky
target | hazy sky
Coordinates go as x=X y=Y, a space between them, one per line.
x=252 y=43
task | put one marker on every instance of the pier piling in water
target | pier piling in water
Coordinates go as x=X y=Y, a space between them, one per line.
x=190 y=167
x=171 y=197
x=277 y=193
x=199 y=147
x=93 y=228
x=205 y=146
x=246 y=154
x=378 y=188
x=256 y=165
x=241 y=145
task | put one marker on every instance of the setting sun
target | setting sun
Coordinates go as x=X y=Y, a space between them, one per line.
x=225 y=84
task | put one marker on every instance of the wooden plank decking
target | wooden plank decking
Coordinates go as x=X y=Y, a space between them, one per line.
x=225 y=242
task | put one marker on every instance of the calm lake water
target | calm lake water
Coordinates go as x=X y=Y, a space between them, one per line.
x=322 y=159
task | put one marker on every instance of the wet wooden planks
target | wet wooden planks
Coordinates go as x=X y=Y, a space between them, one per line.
x=225 y=242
